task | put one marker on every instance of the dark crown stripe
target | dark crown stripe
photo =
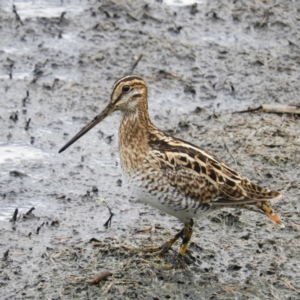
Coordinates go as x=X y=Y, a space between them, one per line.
x=126 y=79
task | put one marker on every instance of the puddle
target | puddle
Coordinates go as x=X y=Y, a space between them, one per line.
x=34 y=163
x=182 y=2
x=13 y=157
x=23 y=205
x=17 y=75
x=44 y=8
x=15 y=153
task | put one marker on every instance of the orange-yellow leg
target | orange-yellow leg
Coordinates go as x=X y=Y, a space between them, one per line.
x=185 y=233
x=160 y=249
x=186 y=237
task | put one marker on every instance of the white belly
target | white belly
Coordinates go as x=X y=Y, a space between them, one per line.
x=172 y=203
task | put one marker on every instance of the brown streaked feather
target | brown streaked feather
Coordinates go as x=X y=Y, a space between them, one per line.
x=203 y=177
x=219 y=184
x=190 y=184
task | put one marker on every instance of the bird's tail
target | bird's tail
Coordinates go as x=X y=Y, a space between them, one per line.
x=266 y=208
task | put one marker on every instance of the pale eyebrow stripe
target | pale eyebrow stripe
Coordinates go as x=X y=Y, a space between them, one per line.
x=125 y=79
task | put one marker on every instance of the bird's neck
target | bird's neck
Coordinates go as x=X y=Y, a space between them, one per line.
x=134 y=128
x=134 y=134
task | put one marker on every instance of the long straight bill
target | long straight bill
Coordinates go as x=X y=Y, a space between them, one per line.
x=107 y=111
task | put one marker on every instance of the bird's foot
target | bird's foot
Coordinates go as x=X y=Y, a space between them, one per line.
x=185 y=234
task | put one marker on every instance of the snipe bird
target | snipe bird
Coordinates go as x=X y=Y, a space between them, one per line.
x=175 y=176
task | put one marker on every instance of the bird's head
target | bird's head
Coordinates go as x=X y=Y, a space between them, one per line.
x=129 y=93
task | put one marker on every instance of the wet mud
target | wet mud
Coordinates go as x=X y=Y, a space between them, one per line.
x=201 y=63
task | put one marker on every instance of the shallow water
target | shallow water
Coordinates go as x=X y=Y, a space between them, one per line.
x=14 y=157
x=44 y=8
x=12 y=154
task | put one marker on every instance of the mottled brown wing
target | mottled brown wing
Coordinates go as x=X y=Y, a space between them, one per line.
x=200 y=175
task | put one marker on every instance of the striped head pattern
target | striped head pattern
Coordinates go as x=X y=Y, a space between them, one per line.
x=128 y=95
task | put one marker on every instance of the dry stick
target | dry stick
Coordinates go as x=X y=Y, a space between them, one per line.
x=5 y=255
x=280 y=109
x=248 y=110
x=108 y=287
x=289 y=285
x=25 y=98
x=108 y=222
x=17 y=15
x=147 y=15
x=286 y=187
x=45 y=62
x=136 y=63
x=30 y=211
x=27 y=124
x=14 y=217
x=10 y=70
x=228 y=149
x=133 y=17
x=273 y=108
x=61 y=17
x=55 y=81
x=265 y=19
x=39 y=228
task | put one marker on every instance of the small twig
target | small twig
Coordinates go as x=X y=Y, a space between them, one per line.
x=165 y=74
x=45 y=62
x=14 y=116
x=5 y=255
x=39 y=228
x=30 y=211
x=27 y=124
x=250 y=109
x=10 y=70
x=136 y=63
x=108 y=287
x=34 y=80
x=147 y=15
x=228 y=149
x=25 y=98
x=286 y=187
x=289 y=285
x=215 y=115
x=132 y=17
x=55 y=81
x=17 y=15
x=281 y=109
x=258 y=172
x=94 y=240
x=274 y=108
x=61 y=17
x=15 y=215
x=265 y=19
x=108 y=222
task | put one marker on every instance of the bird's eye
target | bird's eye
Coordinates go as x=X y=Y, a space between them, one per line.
x=125 y=88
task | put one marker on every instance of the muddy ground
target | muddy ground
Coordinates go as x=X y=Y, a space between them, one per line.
x=201 y=63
